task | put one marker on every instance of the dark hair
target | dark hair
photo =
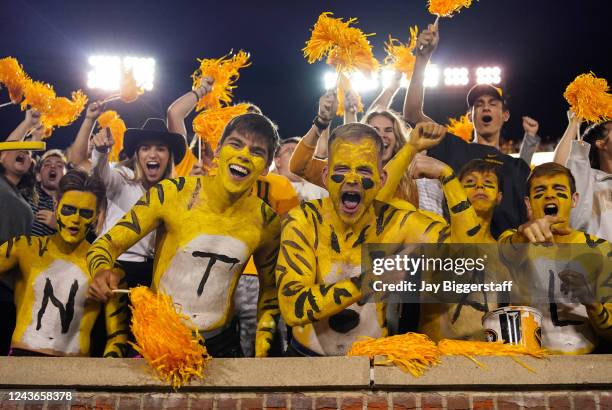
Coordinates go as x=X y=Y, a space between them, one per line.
x=483 y=166
x=77 y=180
x=550 y=169
x=27 y=183
x=591 y=135
x=254 y=124
x=355 y=131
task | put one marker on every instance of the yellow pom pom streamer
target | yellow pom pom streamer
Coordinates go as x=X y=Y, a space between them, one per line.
x=470 y=349
x=111 y=120
x=446 y=8
x=13 y=78
x=38 y=95
x=589 y=98
x=400 y=55
x=209 y=124
x=225 y=72
x=167 y=339
x=129 y=91
x=462 y=128
x=344 y=85
x=411 y=352
x=347 y=48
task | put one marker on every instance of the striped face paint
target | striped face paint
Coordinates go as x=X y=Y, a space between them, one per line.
x=482 y=190
x=76 y=214
x=354 y=177
x=551 y=195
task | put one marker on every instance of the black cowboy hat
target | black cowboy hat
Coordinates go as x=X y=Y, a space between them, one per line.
x=154 y=129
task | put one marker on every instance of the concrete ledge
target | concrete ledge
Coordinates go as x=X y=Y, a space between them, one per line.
x=313 y=374
x=342 y=373
x=556 y=372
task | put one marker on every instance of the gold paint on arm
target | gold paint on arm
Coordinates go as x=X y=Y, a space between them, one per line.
x=9 y=254
x=303 y=164
x=117 y=322
x=396 y=167
x=267 y=306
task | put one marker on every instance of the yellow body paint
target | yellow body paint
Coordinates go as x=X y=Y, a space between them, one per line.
x=319 y=267
x=567 y=328
x=208 y=228
x=54 y=316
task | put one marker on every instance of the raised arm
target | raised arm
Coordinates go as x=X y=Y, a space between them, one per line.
x=427 y=41
x=384 y=100
x=78 y=152
x=30 y=122
x=267 y=305
x=530 y=142
x=301 y=299
x=145 y=216
x=350 y=106
x=302 y=162
x=563 y=148
x=184 y=105
x=422 y=137
x=114 y=182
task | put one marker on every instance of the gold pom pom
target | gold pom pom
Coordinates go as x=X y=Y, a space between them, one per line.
x=446 y=8
x=129 y=91
x=63 y=111
x=13 y=78
x=225 y=72
x=462 y=128
x=400 y=55
x=412 y=352
x=111 y=120
x=166 y=338
x=37 y=95
x=209 y=124
x=589 y=99
x=347 y=48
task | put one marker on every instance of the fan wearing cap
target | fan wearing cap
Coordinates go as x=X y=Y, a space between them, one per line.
x=207 y=229
x=590 y=161
x=54 y=316
x=488 y=112
x=582 y=272
x=151 y=151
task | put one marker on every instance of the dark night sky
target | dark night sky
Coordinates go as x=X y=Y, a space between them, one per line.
x=540 y=45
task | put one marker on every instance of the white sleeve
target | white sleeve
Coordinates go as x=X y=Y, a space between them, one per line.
x=112 y=178
x=578 y=163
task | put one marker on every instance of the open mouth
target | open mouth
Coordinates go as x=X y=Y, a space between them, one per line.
x=238 y=171
x=487 y=118
x=350 y=201
x=20 y=158
x=73 y=230
x=153 y=166
x=551 y=209
x=52 y=175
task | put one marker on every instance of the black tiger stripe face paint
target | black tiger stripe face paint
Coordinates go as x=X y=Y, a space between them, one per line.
x=551 y=195
x=354 y=178
x=482 y=189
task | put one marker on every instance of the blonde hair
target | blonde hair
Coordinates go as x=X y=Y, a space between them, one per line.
x=407 y=189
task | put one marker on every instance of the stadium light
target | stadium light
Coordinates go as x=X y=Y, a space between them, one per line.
x=107 y=71
x=488 y=75
x=456 y=76
x=359 y=82
x=432 y=76
x=329 y=79
x=386 y=76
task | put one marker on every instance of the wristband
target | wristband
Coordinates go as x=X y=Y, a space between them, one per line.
x=196 y=94
x=320 y=124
